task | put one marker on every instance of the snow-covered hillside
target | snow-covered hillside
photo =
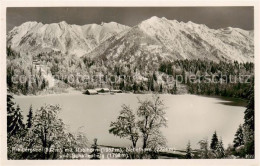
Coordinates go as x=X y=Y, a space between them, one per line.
x=36 y=37
x=155 y=39
x=159 y=38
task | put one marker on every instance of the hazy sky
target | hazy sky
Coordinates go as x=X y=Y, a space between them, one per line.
x=213 y=17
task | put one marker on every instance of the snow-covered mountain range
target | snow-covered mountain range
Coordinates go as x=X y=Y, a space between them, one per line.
x=153 y=39
x=36 y=37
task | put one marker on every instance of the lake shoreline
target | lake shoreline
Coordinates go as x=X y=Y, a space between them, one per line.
x=231 y=101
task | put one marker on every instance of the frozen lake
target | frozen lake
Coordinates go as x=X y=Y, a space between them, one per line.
x=190 y=117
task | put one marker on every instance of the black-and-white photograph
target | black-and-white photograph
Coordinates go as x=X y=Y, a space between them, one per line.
x=98 y=83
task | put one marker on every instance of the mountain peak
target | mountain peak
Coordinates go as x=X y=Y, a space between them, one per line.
x=157 y=20
x=150 y=22
x=190 y=23
x=108 y=23
x=154 y=19
x=29 y=24
x=25 y=27
x=63 y=22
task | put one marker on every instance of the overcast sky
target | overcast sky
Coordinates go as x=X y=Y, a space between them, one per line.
x=213 y=17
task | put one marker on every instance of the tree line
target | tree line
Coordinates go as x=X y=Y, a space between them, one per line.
x=136 y=77
x=22 y=75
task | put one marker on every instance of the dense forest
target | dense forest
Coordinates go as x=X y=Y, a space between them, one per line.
x=180 y=76
x=22 y=75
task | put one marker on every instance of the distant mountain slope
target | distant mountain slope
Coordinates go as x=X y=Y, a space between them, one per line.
x=155 y=39
x=159 y=38
x=36 y=37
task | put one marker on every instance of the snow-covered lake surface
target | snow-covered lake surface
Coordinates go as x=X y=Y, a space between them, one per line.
x=190 y=117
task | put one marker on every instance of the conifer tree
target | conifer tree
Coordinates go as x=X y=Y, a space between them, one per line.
x=175 y=88
x=249 y=124
x=29 y=120
x=96 y=152
x=10 y=112
x=14 y=121
x=188 y=151
x=15 y=128
x=43 y=84
x=161 y=88
x=220 y=149
x=239 y=137
x=10 y=104
x=204 y=151
x=214 y=142
x=249 y=113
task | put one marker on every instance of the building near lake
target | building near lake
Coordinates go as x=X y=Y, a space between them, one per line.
x=91 y=92
x=116 y=91
x=102 y=90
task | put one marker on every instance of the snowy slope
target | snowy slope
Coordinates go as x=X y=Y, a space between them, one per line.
x=164 y=39
x=36 y=37
x=133 y=47
x=153 y=40
x=192 y=40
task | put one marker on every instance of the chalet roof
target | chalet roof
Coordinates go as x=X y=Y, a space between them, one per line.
x=91 y=90
x=99 y=89
x=116 y=90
